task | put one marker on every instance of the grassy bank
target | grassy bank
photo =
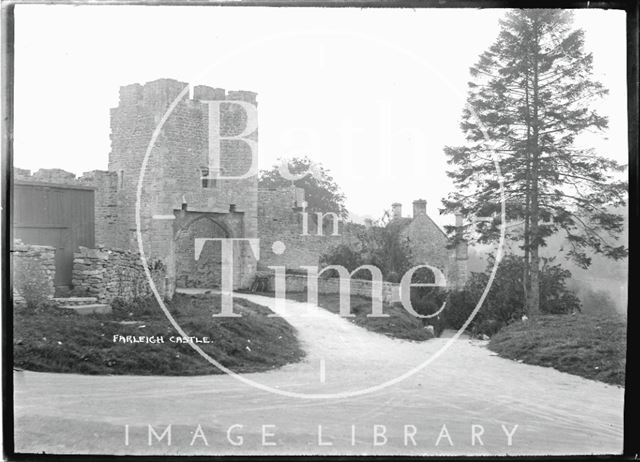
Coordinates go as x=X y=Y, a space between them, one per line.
x=53 y=340
x=399 y=324
x=585 y=345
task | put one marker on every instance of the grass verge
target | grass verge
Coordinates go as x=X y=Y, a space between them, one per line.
x=399 y=324
x=54 y=340
x=584 y=345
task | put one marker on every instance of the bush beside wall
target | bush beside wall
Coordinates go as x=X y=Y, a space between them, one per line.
x=34 y=271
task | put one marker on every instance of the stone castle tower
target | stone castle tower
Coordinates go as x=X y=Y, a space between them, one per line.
x=180 y=199
x=184 y=196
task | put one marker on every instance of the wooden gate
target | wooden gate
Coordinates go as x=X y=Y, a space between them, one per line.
x=58 y=215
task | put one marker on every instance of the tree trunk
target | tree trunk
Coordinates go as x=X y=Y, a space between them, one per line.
x=533 y=300
x=526 y=276
x=526 y=281
x=533 y=267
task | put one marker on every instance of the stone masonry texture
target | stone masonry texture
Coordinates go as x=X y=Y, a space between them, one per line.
x=107 y=274
x=173 y=177
x=177 y=205
x=33 y=273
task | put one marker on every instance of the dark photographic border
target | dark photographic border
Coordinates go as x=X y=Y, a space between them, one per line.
x=632 y=8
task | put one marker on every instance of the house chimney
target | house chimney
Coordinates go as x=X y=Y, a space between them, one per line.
x=396 y=210
x=299 y=196
x=461 y=248
x=461 y=273
x=419 y=207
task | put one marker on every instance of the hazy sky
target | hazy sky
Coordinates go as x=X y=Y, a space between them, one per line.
x=372 y=94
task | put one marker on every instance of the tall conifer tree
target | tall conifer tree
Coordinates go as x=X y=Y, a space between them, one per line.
x=529 y=99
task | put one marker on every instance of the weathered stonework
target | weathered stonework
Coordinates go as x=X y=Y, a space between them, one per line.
x=206 y=270
x=280 y=219
x=178 y=204
x=33 y=273
x=388 y=293
x=106 y=205
x=173 y=177
x=21 y=174
x=107 y=274
x=427 y=242
x=430 y=245
x=54 y=175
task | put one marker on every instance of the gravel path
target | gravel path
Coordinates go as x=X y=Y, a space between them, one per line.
x=466 y=390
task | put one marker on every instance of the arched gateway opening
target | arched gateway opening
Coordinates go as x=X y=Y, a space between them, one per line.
x=205 y=272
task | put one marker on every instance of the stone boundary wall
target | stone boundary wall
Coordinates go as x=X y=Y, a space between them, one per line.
x=280 y=219
x=298 y=283
x=34 y=271
x=108 y=274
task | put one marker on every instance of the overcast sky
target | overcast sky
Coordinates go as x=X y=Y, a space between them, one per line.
x=372 y=94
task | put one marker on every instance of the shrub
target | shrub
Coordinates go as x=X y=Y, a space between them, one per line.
x=342 y=255
x=487 y=327
x=505 y=301
x=555 y=298
x=31 y=282
x=393 y=277
x=461 y=303
x=428 y=300
x=429 y=304
x=383 y=248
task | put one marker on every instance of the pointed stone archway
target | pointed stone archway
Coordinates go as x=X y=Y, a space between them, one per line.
x=206 y=270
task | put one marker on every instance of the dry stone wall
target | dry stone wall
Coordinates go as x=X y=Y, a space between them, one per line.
x=34 y=272
x=298 y=283
x=108 y=274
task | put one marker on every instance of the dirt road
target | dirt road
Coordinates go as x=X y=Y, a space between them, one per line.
x=467 y=401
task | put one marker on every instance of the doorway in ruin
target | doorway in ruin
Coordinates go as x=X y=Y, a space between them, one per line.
x=205 y=272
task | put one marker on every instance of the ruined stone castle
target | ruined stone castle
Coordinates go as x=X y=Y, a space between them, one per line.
x=181 y=200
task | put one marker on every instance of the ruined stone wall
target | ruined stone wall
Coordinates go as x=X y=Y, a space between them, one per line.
x=21 y=174
x=108 y=274
x=389 y=292
x=33 y=275
x=106 y=205
x=48 y=175
x=280 y=219
x=54 y=175
x=173 y=177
